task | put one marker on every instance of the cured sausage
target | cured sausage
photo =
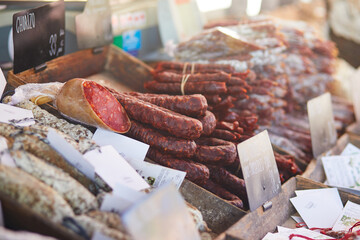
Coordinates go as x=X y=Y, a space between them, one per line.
x=196 y=67
x=90 y=103
x=222 y=193
x=195 y=172
x=229 y=181
x=168 y=144
x=191 y=105
x=205 y=87
x=213 y=99
x=215 y=151
x=160 y=118
x=225 y=135
x=208 y=122
x=171 y=77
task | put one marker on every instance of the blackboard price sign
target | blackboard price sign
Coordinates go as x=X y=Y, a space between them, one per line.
x=39 y=35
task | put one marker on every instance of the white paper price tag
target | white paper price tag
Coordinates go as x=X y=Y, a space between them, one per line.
x=148 y=218
x=130 y=149
x=120 y=199
x=15 y=115
x=322 y=125
x=114 y=169
x=2 y=83
x=73 y=156
x=259 y=169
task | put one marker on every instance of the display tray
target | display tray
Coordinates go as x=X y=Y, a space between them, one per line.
x=115 y=68
x=258 y=223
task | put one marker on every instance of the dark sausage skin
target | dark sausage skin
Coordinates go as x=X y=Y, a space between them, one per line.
x=208 y=122
x=171 y=77
x=160 y=118
x=191 y=105
x=176 y=146
x=204 y=87
x=215 y=151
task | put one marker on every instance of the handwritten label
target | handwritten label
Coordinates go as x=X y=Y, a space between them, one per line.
x=259 y=169
x=322 y=125
x=2 y=83
x=73 y=156
x=120 y=199
x=39 y=35
x=355 y=82
x=157 y=175
x=114 y=169
x=130 y=149
x=16 y=116
x=163 y=207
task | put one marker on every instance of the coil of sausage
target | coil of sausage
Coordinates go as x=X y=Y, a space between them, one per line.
x=90 y=103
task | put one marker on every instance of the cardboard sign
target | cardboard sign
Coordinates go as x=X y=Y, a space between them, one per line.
x=259 y=169
x=355 y=86
x=16 y=116
x=93 y=26
x=322 y=125
x=161 y=215
x=73 y=156
x=114 y=169
x=39 y=35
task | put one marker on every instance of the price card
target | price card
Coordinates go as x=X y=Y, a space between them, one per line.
x=15 y=115
x=322 y=125
x=2 y=83
x=259 y=169
x=114 y=169
x=39 y=35
x=73 y=156
x=120 y=199
x=161 y=215
x=93 y=26
x=355 y=82
x=130 y=149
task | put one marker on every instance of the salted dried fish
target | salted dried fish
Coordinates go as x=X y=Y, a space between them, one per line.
x=79 y=198
x=110 y=219
x=91 y=225
x=44 y=117
x=27 y=190
x=7 y=234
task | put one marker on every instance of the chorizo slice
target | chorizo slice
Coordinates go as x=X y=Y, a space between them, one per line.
x=90 y=103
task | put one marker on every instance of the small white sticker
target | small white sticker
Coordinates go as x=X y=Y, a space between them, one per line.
x=15 y=115
x=73 y=156
x=114 y=169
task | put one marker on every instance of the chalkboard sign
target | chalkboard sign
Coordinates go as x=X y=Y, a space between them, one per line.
x=39 y=35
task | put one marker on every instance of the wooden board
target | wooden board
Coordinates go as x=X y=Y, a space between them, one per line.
x=256 y=224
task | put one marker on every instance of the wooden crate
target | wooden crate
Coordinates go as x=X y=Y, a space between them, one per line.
x=109 y=66
x=257 y=224
x=115 y=68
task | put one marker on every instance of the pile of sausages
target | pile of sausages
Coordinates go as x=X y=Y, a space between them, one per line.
x=177 y=128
